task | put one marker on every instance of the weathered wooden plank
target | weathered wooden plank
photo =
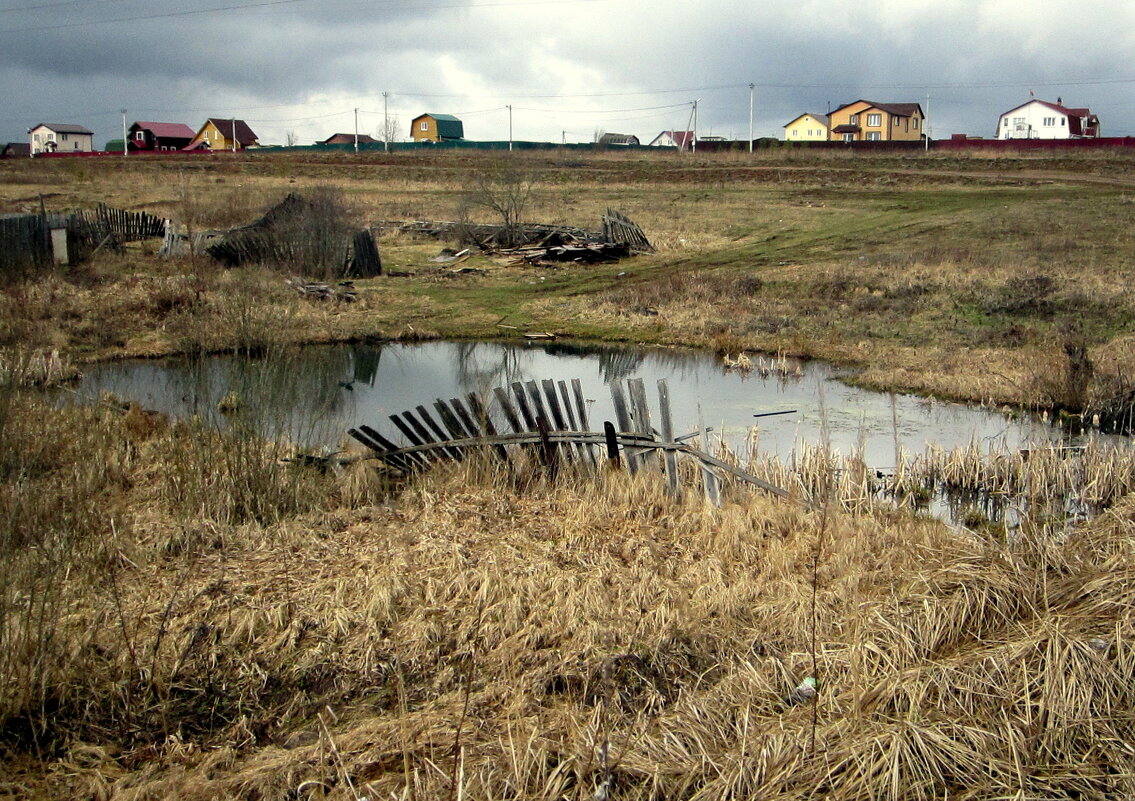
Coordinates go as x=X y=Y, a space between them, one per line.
x=640 y=412
x=427 y=418
x=525 y=409
x=666 y=431
x=711 y=484
x=581 y=411
x=623 y=420
x=553 y=403
x=477 y=421
x=507 y=410
x=407 y=430
x=450 y=421
x=382 y=448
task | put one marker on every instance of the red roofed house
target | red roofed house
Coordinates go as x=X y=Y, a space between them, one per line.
x=1039 y=119
x=679 y=139
x=219 y=134
x=155 y=136
x=868 y=121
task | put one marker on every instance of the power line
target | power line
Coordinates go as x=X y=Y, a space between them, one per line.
x=274 y=3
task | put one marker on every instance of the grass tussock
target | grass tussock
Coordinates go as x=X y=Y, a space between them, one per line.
x=199 y=619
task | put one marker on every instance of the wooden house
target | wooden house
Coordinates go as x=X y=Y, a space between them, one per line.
x=149 y=137
x=56 y=137
x=219 y=134
x=436 y=128
x=807 y=128
x=14 y=150
x=869 y=121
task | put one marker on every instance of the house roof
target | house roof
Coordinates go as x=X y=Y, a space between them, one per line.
x=682 y=139
x=894 y=109
x=448 y=126
x=165 y=130
x=845 y=129
x=347 y=138
x=618 y=139
x=244 y=134
x=821 y=118
x=61 y=127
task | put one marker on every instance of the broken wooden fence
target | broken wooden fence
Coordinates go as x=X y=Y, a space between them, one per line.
x=549 y=420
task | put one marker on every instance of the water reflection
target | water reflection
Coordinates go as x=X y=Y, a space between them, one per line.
x=313 y=395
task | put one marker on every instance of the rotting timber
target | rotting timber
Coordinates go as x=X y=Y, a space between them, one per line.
x=549 y=421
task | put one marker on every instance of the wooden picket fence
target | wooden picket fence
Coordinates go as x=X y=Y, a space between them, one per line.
x=548 y=421
x=124 y=226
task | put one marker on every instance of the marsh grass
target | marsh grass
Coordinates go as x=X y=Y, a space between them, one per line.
x=201 y=620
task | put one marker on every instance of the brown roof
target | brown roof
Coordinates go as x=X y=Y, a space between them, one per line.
x=244 y=135
x=60 y=127
x=166 y=130
x=348 y=139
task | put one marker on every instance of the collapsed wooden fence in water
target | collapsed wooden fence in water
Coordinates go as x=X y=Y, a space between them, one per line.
x=549 y=420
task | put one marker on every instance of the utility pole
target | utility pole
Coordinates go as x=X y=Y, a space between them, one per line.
x=563 y=137
x=234 y=134
x=509 y=127
x=125 y=144
x=385 y=125
x=694 y=144
x=926 y=126
x=751 y=90
x=356 y=131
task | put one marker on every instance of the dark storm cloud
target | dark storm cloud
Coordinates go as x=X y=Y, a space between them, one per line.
x=564 y=66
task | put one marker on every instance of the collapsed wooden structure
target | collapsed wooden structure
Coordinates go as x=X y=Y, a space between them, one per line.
x=548 y=422
x=534 y=243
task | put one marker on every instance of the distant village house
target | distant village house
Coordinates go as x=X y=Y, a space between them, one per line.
x=436 y=128
x=220 y=134
x=869 y=121
x=1039 y=119
x=679 y=139
x=54 y=137
x=14 y=150
x=348 y=139
x=157 y=136
x=807 y=127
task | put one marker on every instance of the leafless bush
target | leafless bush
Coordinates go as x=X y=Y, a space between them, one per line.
x=505 y=192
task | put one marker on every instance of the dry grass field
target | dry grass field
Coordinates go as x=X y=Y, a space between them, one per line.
x=184 y=614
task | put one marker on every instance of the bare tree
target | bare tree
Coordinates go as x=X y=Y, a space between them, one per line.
x=390 y=130
x=290 y=139
x=505 y=191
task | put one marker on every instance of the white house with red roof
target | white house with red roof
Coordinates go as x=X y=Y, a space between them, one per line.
x=157 y=136
x=682 y=140
x=1039 y=119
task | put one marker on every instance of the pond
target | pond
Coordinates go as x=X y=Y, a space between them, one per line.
x=313 y=395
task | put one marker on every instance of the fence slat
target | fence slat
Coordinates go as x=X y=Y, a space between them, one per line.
x=666 y=430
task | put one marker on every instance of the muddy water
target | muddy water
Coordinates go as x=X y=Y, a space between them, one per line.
x=313 y=395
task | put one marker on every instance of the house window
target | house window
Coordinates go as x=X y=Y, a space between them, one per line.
x=64 y=137
x=140 y=136
x=874 y=136
x=848 y=137
x=36 y=137
x=1018 y=120
x=425 y=125
x=854 y=120
x=1050 y=121
x=1004 y=122
x=797 y=133
x=50 y=137
x=915 y=122
x=875 y=120
x=1062 y=120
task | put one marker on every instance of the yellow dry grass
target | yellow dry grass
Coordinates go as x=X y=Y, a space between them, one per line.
x=472 y=634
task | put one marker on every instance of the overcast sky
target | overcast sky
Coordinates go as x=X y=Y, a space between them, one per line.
x=567 y=67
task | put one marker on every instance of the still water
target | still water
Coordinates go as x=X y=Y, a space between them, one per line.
x=313 y=395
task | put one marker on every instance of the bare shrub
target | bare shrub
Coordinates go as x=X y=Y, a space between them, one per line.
x=505 y=192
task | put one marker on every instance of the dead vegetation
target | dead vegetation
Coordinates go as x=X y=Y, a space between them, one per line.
x=203 y=620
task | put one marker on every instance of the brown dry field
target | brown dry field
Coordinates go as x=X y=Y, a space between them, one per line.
x=185 y=614
x=954 y=275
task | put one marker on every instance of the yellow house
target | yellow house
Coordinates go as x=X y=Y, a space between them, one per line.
x=868 y=121
x=218 y=134
x=436 y=128
x=807 y=128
